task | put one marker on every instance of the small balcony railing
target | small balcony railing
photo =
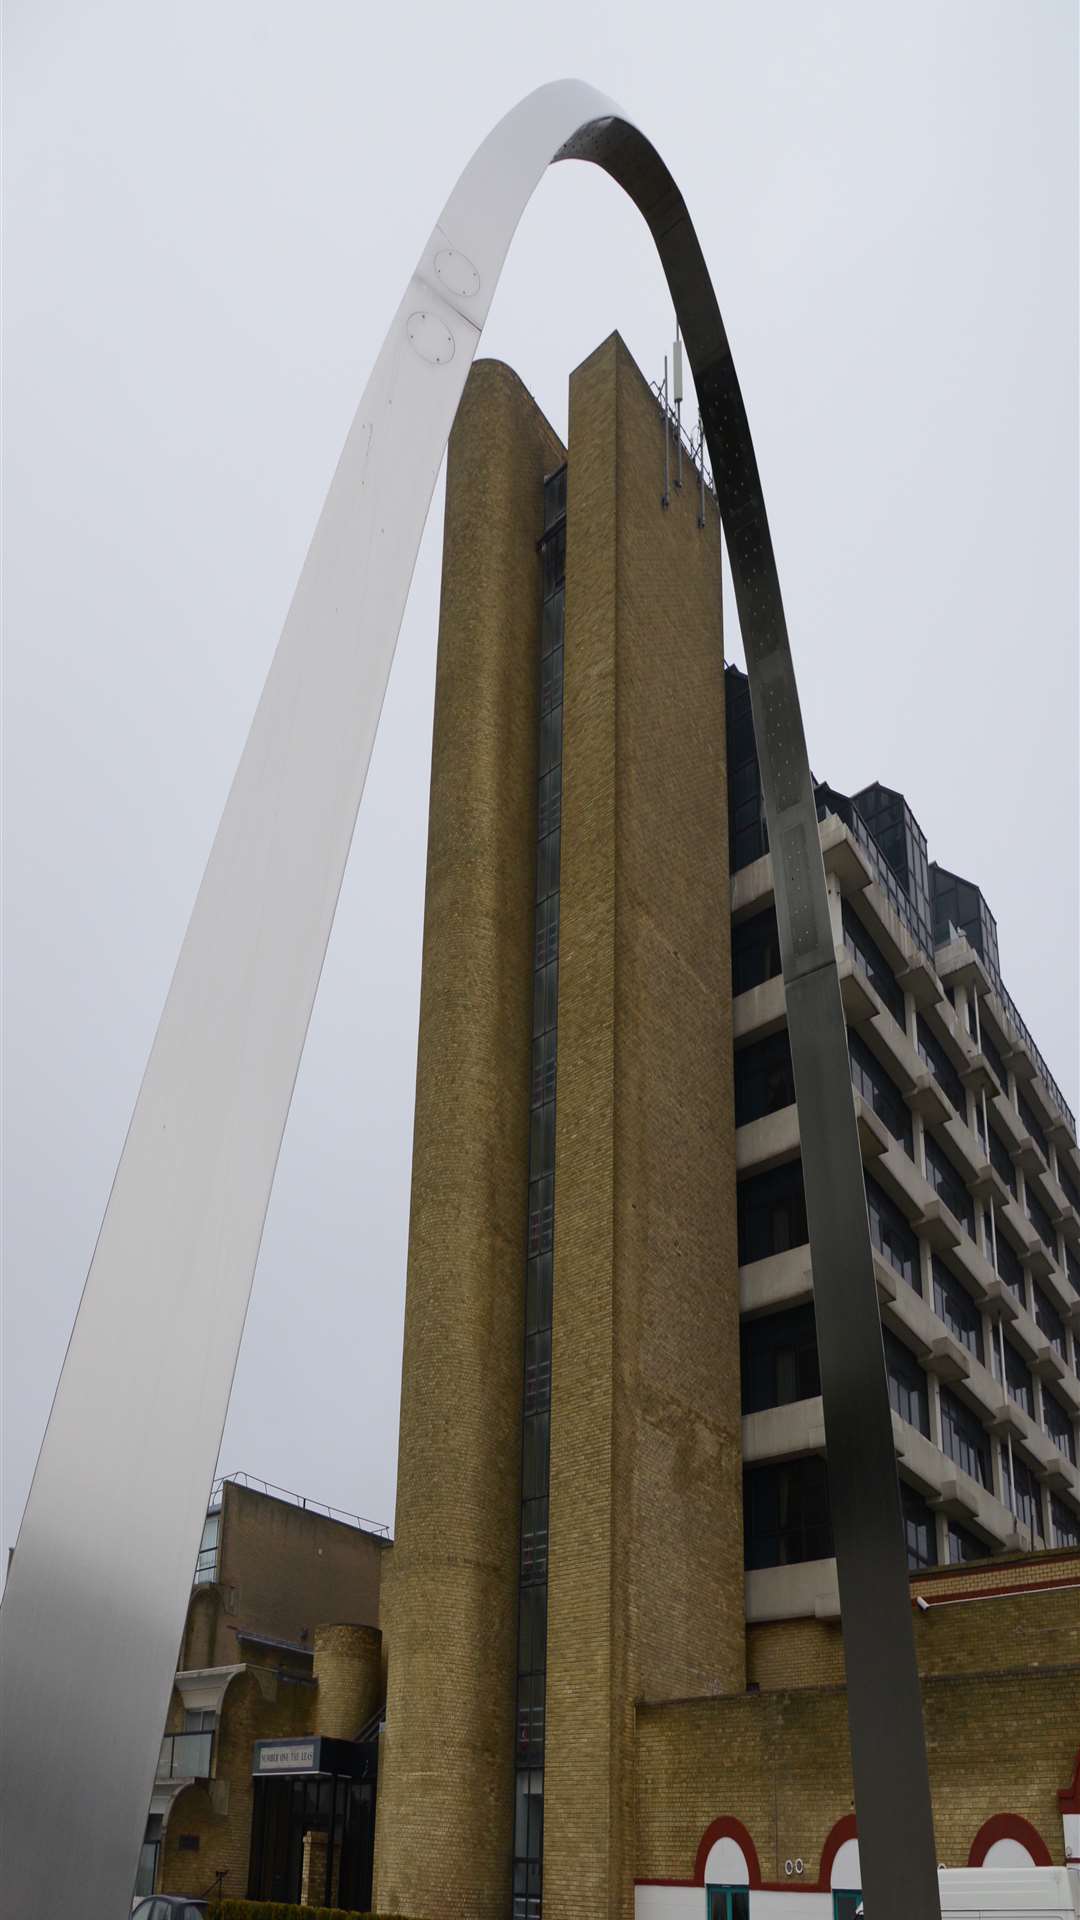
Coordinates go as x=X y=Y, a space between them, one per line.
x=185 y=1756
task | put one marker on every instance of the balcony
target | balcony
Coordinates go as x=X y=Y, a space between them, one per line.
x=969 y=1153
x=759 y=1011
x=185 y=1756
x=781 y=1433
x=782 y=1280
x=767 y=1142
x=804 y=1588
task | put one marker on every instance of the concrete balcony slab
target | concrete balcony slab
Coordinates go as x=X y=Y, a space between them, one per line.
x=1025 y=1155
x=874 y=1136
x=793 y=1593
x=948 y=1359
x=925 y=1097
x=843 y=857
x=783 y=1280
x=1068 y=1388
x=759 y=1011
x=1048 y=1364
x=976 y=1268
x=923 y=1464
x=958 y=1499
x=783 y=1433
x=1019 y=1061
x=959 y=965
x=905 y=1311
x=860 y=1000
x=1009 y=1123
x=920 y=980
x=890 y=1043
x=1009 y=1422
x=767 y=1142
x=997 y=1300
x=1058 y=1475
x=752 y=887
x=940 y=1226
x=968 y=1150
x=902 y=1180
x=981 y=1391
x=1038 y=1261
x=1026 y=1335
x=989 y=1185
x=1022 y=1230
x=888 y=1282
x=977 y=1074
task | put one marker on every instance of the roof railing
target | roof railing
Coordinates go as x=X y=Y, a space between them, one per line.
x=1013 y=1013
x=298 y=1500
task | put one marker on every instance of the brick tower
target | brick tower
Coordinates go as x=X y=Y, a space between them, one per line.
x=569 y=1535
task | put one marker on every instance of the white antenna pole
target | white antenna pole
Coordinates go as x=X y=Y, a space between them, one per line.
x=677 y=382
x=666 y=498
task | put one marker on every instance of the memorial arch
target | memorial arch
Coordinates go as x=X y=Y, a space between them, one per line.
x=87 y=1650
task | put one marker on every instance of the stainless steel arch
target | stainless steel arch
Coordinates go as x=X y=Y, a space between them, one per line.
x=95 y=1602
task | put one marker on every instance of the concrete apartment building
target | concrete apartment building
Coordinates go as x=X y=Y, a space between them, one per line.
x=266 y=1776
x=615 y=1672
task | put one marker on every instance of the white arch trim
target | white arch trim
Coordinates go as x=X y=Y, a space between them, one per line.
x=726 y=1865
x=846 y=1876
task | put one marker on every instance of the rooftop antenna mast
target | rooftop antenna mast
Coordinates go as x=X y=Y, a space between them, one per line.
x=677 y=395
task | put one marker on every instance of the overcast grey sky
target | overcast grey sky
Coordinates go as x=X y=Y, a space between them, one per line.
x=211 y=212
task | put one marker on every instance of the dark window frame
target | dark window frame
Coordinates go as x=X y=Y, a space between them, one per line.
x=779 y=1359
x=792 y=1496
x=954 y=1305
x=909 y=1393
x=965 y=1441
x=892 y=1235
x=941 y=1064
x=870 y=960
x=771 y=1213
x=948 y=1182
x=870 y=1079
x=764 y=1078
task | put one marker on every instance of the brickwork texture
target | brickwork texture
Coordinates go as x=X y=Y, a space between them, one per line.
x=445 y=1804
x=646 y=1591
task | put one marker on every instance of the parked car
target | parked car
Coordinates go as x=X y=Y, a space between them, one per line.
x=168 y=1906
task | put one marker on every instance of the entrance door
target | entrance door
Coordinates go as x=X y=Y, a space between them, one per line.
x=729 y=1903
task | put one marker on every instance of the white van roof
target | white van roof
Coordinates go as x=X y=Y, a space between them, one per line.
x=1011 y=1892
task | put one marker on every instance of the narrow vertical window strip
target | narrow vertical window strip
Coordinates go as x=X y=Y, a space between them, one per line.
x=529 y=1721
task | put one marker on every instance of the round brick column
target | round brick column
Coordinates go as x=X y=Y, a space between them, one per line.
x=348 y=1669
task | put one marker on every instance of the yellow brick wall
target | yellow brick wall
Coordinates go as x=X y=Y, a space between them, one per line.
x=450 y=1599
x=956 y=1634
x=646 y=1554
x=348 y=1677
x=779 y=1762
x=1001 y=1698
x=283 y=1568
x=218 y=1813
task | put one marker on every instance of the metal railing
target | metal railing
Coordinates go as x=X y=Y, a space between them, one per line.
x=1012 y=1012
x=899 y=900
x=921 y=933
x=186 y=1756
x=299 y=1500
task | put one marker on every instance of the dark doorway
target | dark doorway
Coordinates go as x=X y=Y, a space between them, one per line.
x=341 y=1809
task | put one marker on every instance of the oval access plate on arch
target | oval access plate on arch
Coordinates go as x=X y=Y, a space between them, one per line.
x=457 y=273
x=433 y=341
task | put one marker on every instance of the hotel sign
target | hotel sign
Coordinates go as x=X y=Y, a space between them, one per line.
x=288 y=1756
x=344 y=1759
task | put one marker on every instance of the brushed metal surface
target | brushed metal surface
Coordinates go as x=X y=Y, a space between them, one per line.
x=95 y=1603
